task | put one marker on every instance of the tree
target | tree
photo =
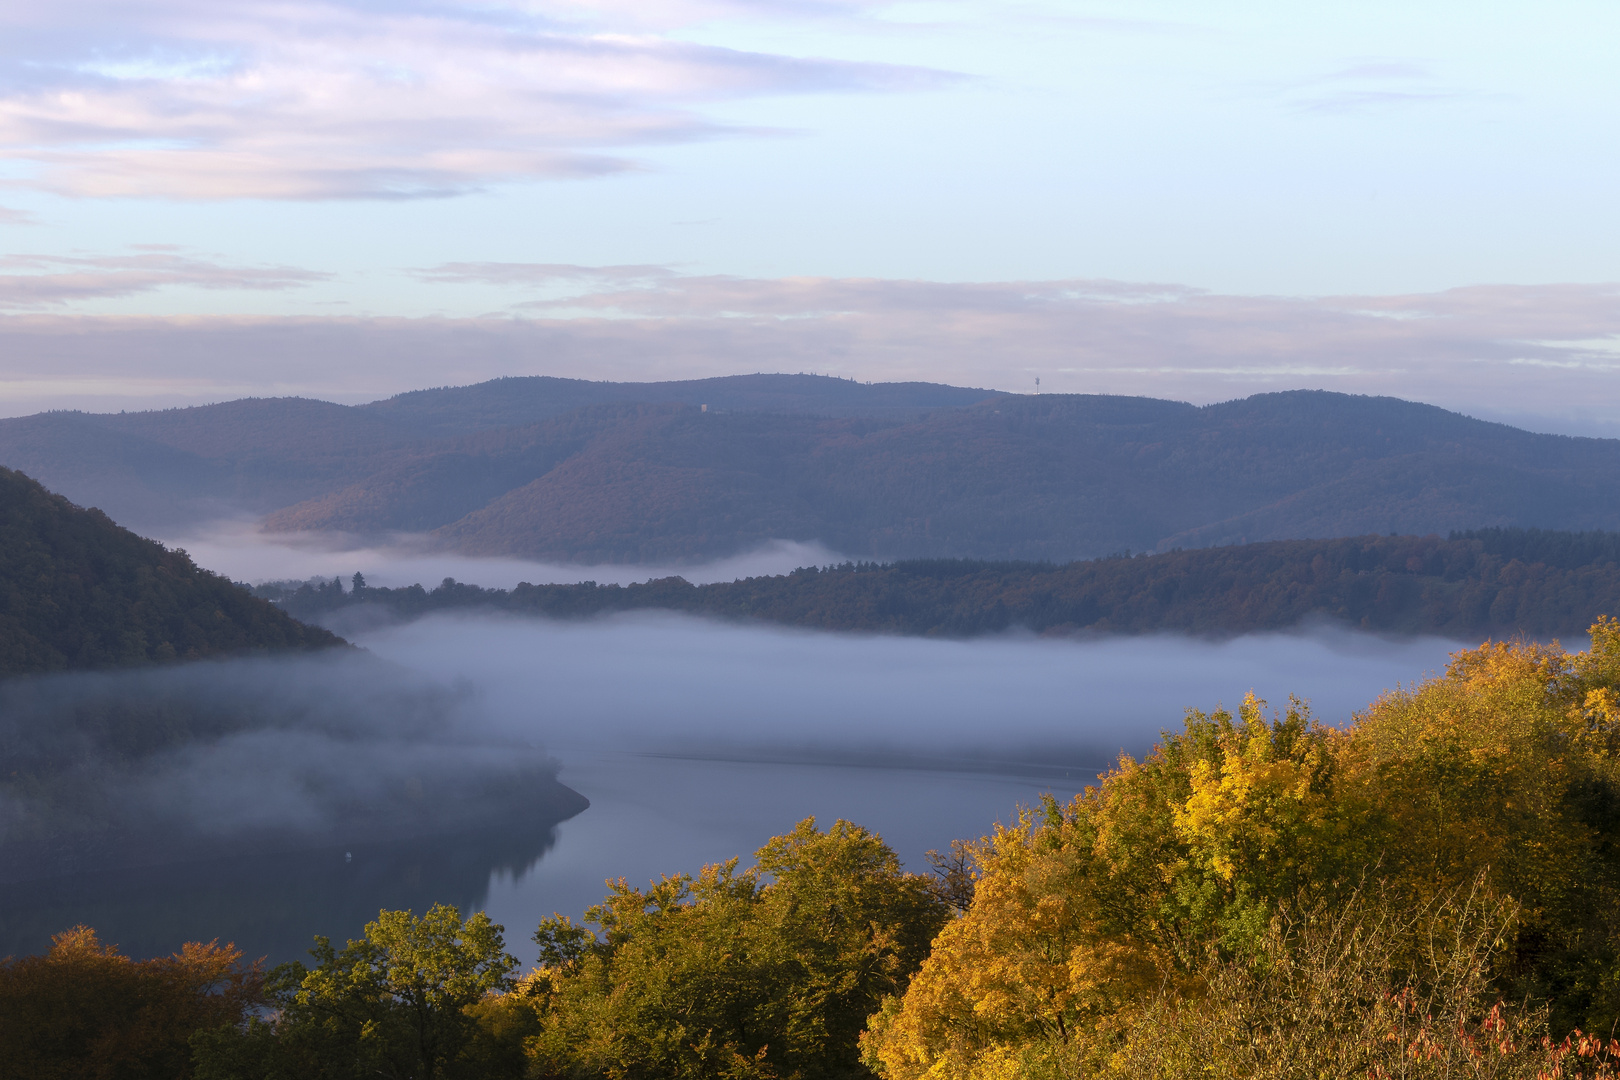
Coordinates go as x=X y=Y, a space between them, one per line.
x=1504 y=772
x=401 y=1002
x=83 y=1010
x=764 y=972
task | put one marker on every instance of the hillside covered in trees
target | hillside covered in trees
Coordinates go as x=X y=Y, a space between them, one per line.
x=78 y=592
x=634 y=473
x=1493 y=581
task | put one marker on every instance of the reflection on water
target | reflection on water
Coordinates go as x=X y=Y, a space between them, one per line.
x=270 y=904
x=649 y=816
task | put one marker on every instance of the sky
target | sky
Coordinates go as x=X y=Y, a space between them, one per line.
x=347 y=199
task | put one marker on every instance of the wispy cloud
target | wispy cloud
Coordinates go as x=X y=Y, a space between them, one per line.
x=311 y=99
x=1550 y=351
x=1368 y=85
x=507 y=273
x=31 y=282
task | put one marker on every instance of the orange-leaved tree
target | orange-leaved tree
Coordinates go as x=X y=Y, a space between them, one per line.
x=85 y=1010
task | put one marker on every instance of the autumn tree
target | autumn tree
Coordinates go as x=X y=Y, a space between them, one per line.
x=1503 y=772
x=764 y=972
x=84 y=1010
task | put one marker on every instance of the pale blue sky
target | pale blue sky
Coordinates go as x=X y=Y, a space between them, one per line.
x=1244 y=149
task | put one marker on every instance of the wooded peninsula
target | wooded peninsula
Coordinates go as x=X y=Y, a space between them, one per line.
x=1485 y=582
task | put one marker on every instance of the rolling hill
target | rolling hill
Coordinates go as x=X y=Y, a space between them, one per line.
x=78 y=592
x=598 y=472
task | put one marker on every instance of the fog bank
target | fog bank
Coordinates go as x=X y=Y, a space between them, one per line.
x=196 y=760
x=237 y=549
x=660 y=683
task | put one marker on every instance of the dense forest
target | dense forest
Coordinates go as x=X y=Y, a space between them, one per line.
x=78 y=592
x=1429 y=892
x=639 y=473
x=1491 y=581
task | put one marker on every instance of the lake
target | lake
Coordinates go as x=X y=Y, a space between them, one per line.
x=697 y=741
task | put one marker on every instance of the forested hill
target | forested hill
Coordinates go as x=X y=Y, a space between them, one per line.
x=1493 y=582
x=79 y=592
x=511 y=402
x=639 y=473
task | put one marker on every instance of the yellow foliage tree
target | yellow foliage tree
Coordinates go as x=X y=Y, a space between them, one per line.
x=1500 y=774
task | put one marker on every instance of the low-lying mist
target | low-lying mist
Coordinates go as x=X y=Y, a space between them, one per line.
x=669 y=684
x=240 y=551
x=264 y=800
x=191 y=760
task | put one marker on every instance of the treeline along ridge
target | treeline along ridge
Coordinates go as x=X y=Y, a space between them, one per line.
x=1477 y=583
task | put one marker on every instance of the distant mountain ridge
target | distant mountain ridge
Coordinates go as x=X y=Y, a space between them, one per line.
x=78 y=592
x=510 y=402
x=153 y=470
x=620 y=472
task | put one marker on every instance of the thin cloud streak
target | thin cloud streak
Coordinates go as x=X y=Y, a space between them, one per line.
x=503 y=273
x=321 y=99
x=56 y=280
x=1376 y=84
x=1551 y=351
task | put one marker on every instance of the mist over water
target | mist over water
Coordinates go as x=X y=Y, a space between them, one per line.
x=696 y=740
x=257 y=800
x=663 y=683
x=237 y=549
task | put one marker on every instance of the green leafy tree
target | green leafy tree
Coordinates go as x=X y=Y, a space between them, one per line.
x=403 y=1002
x=764 y=972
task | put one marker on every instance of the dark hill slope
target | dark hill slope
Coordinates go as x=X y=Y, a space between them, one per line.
x=156 y=470
x=79 y=592
x=1054 y=477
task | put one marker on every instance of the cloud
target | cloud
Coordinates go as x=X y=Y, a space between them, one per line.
x=8 y=216
x=316 y=99
x=504 y=273
x=1368 y=85
x=1549 y=351
x=35 y=281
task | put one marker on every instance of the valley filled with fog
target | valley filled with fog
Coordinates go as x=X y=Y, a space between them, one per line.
x=696 y=741
x=693 y=739
x=874 y=540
